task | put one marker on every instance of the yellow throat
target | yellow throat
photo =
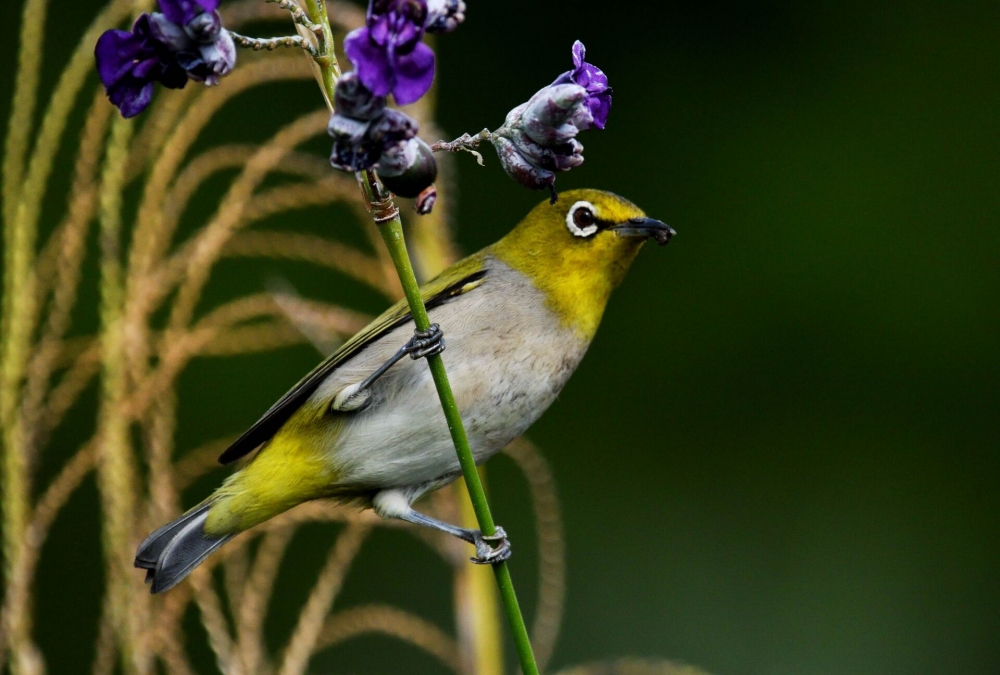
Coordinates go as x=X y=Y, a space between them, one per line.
x=576 y=274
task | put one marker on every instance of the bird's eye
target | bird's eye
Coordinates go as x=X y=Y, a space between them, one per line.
x=581 y=220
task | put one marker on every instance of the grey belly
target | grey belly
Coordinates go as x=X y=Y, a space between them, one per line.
x=507 y=359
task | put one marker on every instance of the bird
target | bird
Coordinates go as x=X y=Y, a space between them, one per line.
x=365 y=427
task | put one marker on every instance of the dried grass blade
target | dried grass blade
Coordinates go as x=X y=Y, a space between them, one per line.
x=393 y=622
x=303 y=641
x=551 y=546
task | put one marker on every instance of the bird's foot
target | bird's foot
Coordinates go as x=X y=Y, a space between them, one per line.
x=491 y=549
x=425 y=343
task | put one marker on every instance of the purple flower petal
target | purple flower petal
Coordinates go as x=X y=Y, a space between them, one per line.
x=414 y=74
x=158 y=49
x=131 y=96
x=600 y=108
x=371 y=62
x=182 y=11
x=579 y=51
x=593 y=79
x=115 y=52
x=165 y=31
x=388 y=54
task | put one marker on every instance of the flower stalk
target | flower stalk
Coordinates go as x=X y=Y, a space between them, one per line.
x=390 y=227
x=386 y=216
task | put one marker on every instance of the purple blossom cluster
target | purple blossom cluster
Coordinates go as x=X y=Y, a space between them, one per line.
x=390 y=58
x=538 y=138
x=184 y=41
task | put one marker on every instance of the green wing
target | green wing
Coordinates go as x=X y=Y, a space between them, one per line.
x=453 y=282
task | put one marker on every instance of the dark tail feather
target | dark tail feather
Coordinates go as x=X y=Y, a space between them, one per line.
x=173 y=551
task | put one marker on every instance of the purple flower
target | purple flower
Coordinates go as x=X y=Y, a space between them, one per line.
x=539 y=137
x=186 y=41
x=129 y=63
x=593 y=79
x=388 y=53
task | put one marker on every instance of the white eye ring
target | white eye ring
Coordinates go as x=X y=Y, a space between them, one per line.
x=571 y=222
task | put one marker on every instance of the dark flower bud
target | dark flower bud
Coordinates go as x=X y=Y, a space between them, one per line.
x=519 y=168
x=360 y=141
x=352 y=149
x=391 y=128
x=444 y=16
x=556 y=114
x=408 y=169
x=353 y=99
x=538 y=138
x=560 y=157
x=205 y=27
x=168 y=33
x=208 y=62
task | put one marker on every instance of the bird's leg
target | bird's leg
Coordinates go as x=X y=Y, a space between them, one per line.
x=424 y=343
x=489 y=549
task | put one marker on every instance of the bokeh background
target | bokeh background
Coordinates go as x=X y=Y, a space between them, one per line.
x=782 y=453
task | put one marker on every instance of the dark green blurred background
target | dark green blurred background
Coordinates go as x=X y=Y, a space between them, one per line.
x=782 y=453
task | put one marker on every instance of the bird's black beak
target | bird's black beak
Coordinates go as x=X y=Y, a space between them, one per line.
x=645 y=228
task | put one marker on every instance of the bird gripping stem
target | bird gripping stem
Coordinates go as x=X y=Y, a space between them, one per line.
x=386 y=216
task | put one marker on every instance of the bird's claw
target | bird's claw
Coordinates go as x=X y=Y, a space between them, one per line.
x=425 y=343
x=491 y=549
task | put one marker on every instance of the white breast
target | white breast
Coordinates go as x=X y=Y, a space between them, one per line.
x=507 y=358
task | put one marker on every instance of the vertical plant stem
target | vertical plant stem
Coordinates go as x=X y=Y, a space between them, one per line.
x=386 y=216
x=477 y=606
x=327 y=60
x=117 y=474
x=15 y=327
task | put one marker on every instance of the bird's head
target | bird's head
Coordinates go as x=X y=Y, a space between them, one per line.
x=578 y=250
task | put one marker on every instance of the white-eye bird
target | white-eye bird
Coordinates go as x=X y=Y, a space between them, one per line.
x=366 y=427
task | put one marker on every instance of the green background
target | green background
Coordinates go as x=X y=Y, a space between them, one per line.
x=781 y=454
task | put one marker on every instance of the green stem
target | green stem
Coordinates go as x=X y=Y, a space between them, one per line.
x=327 y=59
x=386 y=216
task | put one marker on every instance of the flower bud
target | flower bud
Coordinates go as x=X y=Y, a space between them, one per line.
x=408 y=169
x=519 y=168
x=538 y=138
x=168 y=33
x=444 y=16
x=205 y=27
x=364 y=130
x=556 y=114
x=392 y=127
x=353 y=99
x=425 y=201
x=352 y=150
x=560 y=157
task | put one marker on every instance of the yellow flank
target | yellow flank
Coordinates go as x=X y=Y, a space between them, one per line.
x=287 y=471
x=576 y=274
